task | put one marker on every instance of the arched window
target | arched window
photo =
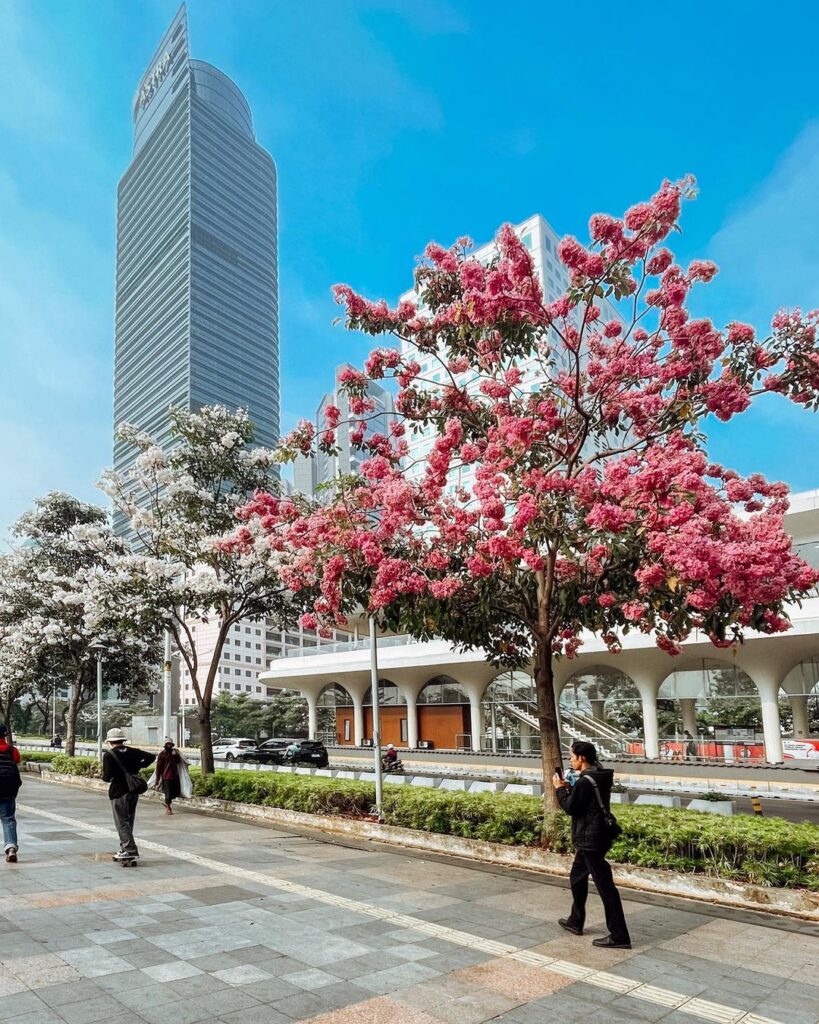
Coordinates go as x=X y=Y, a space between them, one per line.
x=510 y=688
x=388 y=694
x=334 y=696
x=443 y=690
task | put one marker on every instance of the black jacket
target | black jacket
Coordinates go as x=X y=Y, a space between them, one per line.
x=588 y=831
x=131 y=758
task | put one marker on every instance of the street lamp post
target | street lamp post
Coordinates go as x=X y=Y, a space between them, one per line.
x=167 y=673
x=99 y=705
x=376 y=717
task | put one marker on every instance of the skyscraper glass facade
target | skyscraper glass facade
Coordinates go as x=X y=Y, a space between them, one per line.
x=197 y=263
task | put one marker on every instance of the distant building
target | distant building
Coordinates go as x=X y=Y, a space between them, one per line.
x=251 y=647
x=542 y=241
x=197 y=263
x=310 y=472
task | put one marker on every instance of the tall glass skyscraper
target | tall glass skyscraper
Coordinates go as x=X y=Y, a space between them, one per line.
x=197 y=264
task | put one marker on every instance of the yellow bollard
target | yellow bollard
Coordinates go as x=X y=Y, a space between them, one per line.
x=756 y=804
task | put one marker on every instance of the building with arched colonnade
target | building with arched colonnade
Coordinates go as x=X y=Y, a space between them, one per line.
x=758 y=701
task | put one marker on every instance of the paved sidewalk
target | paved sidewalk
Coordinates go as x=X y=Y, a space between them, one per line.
x=238 y=923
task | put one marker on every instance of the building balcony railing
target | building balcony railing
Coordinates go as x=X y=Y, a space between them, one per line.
x=351 y=645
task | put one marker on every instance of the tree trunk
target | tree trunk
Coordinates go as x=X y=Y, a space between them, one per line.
x=8 y=704
x=71 y=713
x=550 y=752
x=205 y=739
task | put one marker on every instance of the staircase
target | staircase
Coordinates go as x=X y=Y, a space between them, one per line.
x=577 y=725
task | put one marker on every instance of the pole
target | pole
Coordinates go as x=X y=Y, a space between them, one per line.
x=166 y=687
x=99 y=706
x=54 y=713
x=379 y=782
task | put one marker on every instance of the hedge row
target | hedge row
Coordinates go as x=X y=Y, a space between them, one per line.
x=765 y=851
x=88 y=767
x=38 y=755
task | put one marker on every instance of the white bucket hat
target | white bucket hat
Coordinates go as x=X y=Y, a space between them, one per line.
x=115 y=736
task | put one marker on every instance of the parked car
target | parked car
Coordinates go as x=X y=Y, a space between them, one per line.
x=312 y=752
x=269 y=752
x=229 y=749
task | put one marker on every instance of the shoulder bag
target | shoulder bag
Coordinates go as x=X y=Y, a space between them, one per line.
x=613 y=828
x=135 y=783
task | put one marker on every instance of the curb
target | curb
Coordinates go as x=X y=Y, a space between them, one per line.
x=796 y=903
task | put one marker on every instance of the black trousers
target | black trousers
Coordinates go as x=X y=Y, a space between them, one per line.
x=594 y=863
x=124 y=808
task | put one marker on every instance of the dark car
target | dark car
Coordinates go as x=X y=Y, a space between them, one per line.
x=312 y=752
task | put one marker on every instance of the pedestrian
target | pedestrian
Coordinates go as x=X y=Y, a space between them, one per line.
x=690 y=746
x=10 y=783
x=120 y=768
x=587 y=802
x=171 y=774
x=57 y=742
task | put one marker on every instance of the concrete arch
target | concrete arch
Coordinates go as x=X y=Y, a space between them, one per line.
x=508 y=712
x=801 y=689
x=452 y=712
x=600 y=702
x=333 y=687
x=701 y=694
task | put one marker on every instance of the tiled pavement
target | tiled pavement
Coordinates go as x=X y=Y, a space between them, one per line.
x=242 y=924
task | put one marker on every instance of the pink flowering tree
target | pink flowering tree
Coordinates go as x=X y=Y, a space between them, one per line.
x=566 y=489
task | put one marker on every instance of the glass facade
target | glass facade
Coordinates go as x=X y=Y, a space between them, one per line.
x=197 y=262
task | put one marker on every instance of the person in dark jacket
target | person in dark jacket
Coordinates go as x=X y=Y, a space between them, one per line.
x=591 y=843
x=117 y=764
x=9 y=787
x=168 y=767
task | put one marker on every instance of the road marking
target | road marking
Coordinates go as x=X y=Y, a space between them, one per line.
x=692 y=1005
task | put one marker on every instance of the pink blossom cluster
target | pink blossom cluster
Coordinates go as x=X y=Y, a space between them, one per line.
x=590 y=480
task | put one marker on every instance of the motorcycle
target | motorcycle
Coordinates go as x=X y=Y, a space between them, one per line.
x=389 y=766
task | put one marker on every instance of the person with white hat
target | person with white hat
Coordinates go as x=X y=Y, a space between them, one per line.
x=120 y=768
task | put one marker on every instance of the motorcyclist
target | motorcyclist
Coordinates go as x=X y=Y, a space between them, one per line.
x=390 y=759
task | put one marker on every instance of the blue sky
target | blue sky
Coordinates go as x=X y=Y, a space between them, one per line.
x=393 y=122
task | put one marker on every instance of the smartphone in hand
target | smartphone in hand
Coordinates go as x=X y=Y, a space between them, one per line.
x=559 y=772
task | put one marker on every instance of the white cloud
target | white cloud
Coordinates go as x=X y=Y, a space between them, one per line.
x=768 y=249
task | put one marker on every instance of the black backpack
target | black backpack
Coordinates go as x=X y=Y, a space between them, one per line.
x=10 y=780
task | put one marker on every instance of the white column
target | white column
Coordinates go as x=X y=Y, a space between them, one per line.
x=771 y=726
x=312 y=715
x=412 y=723
x=358 y=720
x=476 y=715
x=689 y=714
x=651 y=730
x=801 y=723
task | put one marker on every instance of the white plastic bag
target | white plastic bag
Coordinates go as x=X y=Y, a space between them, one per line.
x=185 y=783
x=153 y=781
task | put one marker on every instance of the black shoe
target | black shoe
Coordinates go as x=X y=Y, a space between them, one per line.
x=607 y=942
x=564 y=922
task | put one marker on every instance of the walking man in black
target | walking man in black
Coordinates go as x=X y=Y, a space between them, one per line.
x=118 y=764
x=591 y=842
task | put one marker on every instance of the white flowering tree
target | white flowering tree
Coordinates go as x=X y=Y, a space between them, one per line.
x=186 y=570
x=19 y=644
x=45 y=601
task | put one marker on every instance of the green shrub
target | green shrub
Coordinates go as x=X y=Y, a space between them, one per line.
x=38 y=755
x=290 y=792
x=766 y=851
x=88 y=767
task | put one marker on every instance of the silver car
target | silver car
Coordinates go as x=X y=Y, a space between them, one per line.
x=228 y=749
